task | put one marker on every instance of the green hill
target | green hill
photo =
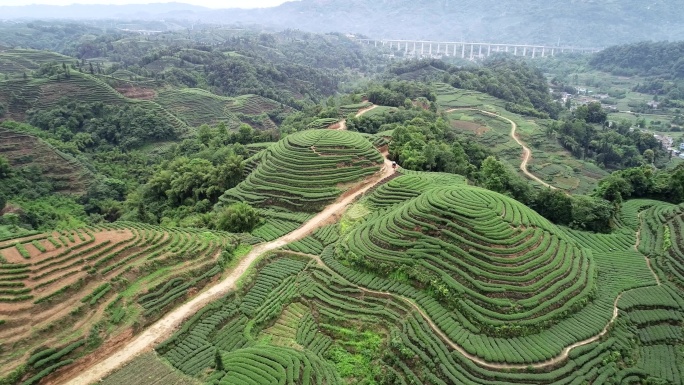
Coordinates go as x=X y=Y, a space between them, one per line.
x=307 y=170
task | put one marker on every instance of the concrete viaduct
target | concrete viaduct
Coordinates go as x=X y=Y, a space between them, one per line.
x=423 y=48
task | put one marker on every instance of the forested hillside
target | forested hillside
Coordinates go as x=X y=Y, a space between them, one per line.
x=662 y=64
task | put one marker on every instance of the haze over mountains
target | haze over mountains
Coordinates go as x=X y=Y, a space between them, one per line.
x=576 y=22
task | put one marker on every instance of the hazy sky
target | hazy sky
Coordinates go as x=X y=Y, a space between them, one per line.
x=205 y=3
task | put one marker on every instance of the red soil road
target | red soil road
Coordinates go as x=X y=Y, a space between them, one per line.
x=527 y=153
x=163 y=328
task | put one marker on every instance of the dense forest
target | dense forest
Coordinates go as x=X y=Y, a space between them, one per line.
x=661 y=63
x=515 y=81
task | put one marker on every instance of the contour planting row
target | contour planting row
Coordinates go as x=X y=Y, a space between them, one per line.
x=302 y=319
x=662 y=238
x=115 y=273
x=410 y=184
x=307 y=170
x=316 y=242
x=496 y=261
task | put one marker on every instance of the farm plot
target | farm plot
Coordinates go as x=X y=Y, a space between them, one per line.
x=54 y=285
x=307 y=170
x=47 y=93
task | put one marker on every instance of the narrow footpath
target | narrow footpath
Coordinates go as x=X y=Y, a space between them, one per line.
x=527 y=153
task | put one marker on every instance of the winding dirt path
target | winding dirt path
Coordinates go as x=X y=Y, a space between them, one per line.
x=527 y=153
x=486 y=364
x=342 y=124
x=163 y=328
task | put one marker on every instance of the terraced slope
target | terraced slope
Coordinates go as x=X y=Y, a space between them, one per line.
x=496 y=262
x=307 y=170
x=197 y=107
x=55 y=286
x=22 y=150
x=662 y=238
x=18 y=61
x=304 y=318
x=22 y=95
x=297 y=319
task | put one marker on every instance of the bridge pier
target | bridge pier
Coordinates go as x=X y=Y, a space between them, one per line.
x=422 y=48
x=463 y=51
x=489 y=50
x=543 y=51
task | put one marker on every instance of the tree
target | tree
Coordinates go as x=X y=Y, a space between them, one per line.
x=649 y=155
x=5 y=168
x=204 y=134
x=592 y=214
x=218 y=361
x=237 y=218
x=3 y=202
x=554 y=205
x=494 y=175
x=677 y=184
x=614 y=188
x=245 y=133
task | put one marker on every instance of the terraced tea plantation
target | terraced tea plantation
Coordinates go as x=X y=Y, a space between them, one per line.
x=196 y=107
x=429 y=281
x=303 y=173
x=64 y=292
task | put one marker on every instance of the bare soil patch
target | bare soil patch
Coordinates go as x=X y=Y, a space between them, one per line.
x=137 y=93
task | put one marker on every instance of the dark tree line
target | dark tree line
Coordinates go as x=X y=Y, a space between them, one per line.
x=524 y=87
x=587 y=134
x=93 y=125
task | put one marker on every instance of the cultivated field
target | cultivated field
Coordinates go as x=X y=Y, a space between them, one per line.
x=63 y=293
x=549 y=161
x=436 y=282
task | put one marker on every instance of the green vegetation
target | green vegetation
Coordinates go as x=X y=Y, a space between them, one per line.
x=306 y=171
x=147 y=270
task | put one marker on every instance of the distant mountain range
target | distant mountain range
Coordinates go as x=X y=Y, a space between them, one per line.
x=570 y=22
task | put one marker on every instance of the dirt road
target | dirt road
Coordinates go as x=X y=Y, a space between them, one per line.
x=163 y=328
x=527 y=153
x=342 y=125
